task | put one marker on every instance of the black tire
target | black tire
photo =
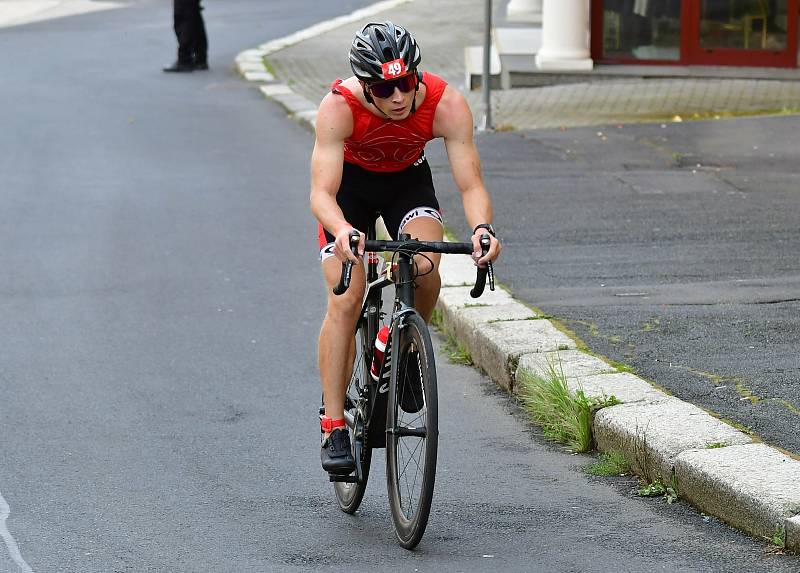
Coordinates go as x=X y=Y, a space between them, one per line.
x=349 y=495
x=411 y=459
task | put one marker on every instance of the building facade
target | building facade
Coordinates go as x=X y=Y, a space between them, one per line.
x=695 y=32
x=577 y=34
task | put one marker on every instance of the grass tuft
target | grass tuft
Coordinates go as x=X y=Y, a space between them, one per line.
x=456 y=352
x=437 y=320
x=779 y=538
x=564 y=418
x=612 y=463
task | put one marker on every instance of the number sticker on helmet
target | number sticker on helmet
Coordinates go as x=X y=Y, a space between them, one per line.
x=394 y=69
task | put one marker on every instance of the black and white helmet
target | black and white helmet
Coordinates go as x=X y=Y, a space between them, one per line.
x=382 y=51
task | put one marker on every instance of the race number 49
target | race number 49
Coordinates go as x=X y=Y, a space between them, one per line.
x=394 y=69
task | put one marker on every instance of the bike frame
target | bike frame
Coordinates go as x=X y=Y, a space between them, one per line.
x=371 y=406
x=372 y=402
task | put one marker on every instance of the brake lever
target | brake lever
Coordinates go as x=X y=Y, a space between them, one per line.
x=483 y=272
x=347 y=266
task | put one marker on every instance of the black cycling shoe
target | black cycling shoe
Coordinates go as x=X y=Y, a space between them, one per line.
x=409 y=392
x=335 y=453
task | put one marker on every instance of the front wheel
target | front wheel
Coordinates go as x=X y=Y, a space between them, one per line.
x=412 y=431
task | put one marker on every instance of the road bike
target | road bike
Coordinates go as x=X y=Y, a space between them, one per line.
x=394 y=405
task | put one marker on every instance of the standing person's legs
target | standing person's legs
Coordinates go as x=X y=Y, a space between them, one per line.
x=201 y=40
x=184 y=23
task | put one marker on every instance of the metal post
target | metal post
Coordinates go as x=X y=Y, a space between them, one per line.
x=486 y=83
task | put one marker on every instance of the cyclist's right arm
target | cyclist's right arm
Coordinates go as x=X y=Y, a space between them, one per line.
x=334 y=124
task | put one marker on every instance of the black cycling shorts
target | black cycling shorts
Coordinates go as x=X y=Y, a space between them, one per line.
x=399 y=197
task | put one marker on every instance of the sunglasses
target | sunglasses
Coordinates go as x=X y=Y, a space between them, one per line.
x=386 y=89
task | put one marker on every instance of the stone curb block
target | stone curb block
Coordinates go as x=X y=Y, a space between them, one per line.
x=652 y=435
x=457 y=270
x=497 y=346
x=296 y=106
x=458 y=297
x=258 y=76
x=624 y=386
x=595 y=378
x=573 y=363
x=792 y=533
x=275 y=90
x=250 y=66
x=753 y=487
x=252 y=55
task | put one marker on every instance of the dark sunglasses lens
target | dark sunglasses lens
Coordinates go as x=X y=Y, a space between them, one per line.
x=386 y=89
x=382 y=90
x=406 y=84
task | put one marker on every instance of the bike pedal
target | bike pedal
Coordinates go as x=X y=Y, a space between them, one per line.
x=344 y=479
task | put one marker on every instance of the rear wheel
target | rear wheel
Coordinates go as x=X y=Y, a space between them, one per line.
x=349 y=495
x=412 y=431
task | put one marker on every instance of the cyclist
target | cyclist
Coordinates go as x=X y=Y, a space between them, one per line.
x=368 y=158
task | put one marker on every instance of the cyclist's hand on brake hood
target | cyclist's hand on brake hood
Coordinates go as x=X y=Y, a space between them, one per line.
x=494 y=248
x=341 y=247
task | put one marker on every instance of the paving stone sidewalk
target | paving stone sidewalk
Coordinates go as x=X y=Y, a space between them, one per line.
x=719 y=469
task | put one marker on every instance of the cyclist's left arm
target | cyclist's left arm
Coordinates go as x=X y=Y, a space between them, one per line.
x=453 y=122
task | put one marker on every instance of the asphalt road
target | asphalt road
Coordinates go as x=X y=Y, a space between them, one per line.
x=673 y=249
x=161 y=300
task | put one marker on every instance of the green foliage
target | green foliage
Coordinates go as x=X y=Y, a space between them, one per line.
x=658 y=489
x=456 y=351
x=564 y=418
x=779 y=538
x=613 y=463
x=437 y=320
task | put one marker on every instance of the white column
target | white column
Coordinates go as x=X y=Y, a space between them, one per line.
x=524 y=10
x=565 y=36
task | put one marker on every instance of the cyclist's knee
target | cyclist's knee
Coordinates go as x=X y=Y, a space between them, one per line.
x=425 y=267
x=347 y=305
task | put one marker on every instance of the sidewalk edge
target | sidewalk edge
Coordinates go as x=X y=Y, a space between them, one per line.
x=667 y=439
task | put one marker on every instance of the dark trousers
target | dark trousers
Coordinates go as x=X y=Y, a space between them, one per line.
x=191 y=31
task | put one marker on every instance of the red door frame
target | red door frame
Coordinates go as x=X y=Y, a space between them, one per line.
x=737 y=57
x=690 y=51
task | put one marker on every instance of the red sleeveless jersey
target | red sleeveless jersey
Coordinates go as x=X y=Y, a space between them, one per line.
x=386 y=145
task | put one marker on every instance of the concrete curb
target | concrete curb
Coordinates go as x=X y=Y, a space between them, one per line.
x=715 y=467
x=709 y=463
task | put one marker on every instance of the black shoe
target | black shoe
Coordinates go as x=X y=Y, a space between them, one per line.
x=410 y=389
x=201 y=65
x=335 y=453
x=179 y=66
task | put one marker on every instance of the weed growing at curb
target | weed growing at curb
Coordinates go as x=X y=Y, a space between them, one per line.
x=716 y=445
x=612 y=463
x=437 y=319
x=658 y=489
x=779 y=537
x=268 y=66
x=564 y=418
x=456 y=351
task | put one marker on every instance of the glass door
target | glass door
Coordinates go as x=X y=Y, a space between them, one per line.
x=637 y=31
x=744 y=33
